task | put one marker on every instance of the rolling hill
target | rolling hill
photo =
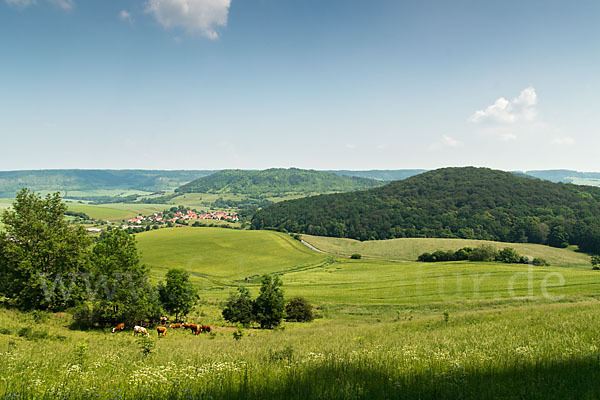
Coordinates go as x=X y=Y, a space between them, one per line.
x=94 y=182
x=276 y=181
x=468 y=203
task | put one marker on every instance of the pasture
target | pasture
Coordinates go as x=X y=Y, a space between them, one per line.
x=117 y=211
x=410 y=248
x=384 y=329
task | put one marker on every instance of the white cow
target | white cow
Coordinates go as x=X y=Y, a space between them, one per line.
x=140 y=329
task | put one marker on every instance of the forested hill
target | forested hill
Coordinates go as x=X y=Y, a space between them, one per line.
x=473 y=203
x=277 y=180
x=88 y=180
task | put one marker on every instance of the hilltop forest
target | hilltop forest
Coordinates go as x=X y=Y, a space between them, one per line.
x=469 y=203
x=277 y=181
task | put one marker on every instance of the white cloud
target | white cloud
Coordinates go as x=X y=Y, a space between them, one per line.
x=125 y=15
x=20 y=3
x=450 y=141
x=445 y=142
x=563 y=140
x=519 y=109
x=350 y=146
x=203 y=16
x=64 y=4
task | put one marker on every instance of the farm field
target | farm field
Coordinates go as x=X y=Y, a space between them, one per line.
x=410 y=248
x=219 y=260
x=116 y=211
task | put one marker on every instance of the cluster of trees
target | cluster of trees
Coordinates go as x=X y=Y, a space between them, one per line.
x=468 y=203
x=47 y=264
x=484 y=253
x=269 y=308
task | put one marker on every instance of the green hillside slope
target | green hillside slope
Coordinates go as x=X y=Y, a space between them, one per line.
x=469 y=203
x=276 y=180
x=408 y=249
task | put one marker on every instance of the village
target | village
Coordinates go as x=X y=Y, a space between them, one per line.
x=184 y=215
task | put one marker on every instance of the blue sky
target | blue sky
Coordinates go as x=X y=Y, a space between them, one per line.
x=327 y=84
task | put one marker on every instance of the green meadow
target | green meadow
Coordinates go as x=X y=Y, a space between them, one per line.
x=410 y=248
x=117 y=211
x=385 y=329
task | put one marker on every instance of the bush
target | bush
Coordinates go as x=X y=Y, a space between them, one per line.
x=540 y=262
x=508 y=255
x=299 y=309
x=146 y=345
x=483 y=253
x=29 y=334
x=355 y=256
x=239 y=307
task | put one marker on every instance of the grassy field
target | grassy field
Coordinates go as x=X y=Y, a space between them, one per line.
x=385 y=330
x=409 y=249
x=117 y=211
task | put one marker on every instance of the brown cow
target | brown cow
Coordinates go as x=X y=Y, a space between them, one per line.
x=163 y=320
x=161 y=331
x=175 y=326
x=205 y=328
x=118 y=328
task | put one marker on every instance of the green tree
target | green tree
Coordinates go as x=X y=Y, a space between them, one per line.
x=121 y=291
x=595 y=261
x=508 y=255
x=269 y=305
x=178 y=295
x=299 y=309
x=239 y=307
x=558 y=237
x=42 y=255
x=483 y=253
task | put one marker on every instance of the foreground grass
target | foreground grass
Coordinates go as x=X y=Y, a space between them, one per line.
x=410 y=248
x=533 y=351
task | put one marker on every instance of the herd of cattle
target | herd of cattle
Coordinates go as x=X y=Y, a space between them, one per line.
x=161 y=330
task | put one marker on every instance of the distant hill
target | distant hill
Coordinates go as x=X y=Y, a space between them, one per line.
x=568 y=176
x=277 y=181
x=88 y=180
x=469 y=203
x=382 y=175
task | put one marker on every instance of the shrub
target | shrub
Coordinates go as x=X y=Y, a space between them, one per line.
x=483 y=253
x=30 y=334
x=356 y=256
x=146 y=345
x=239 y=307
x=540 y=262
x=239 y=333
x=299 y=309
x=508 y=255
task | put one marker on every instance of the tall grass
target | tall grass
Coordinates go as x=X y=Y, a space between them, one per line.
x=532 y=351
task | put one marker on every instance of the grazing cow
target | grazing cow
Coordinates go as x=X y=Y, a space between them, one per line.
x=163 y=320
x=118 y=328
x=161 y=330
x=141 y=330
x=205 y=328
x=175 y=326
